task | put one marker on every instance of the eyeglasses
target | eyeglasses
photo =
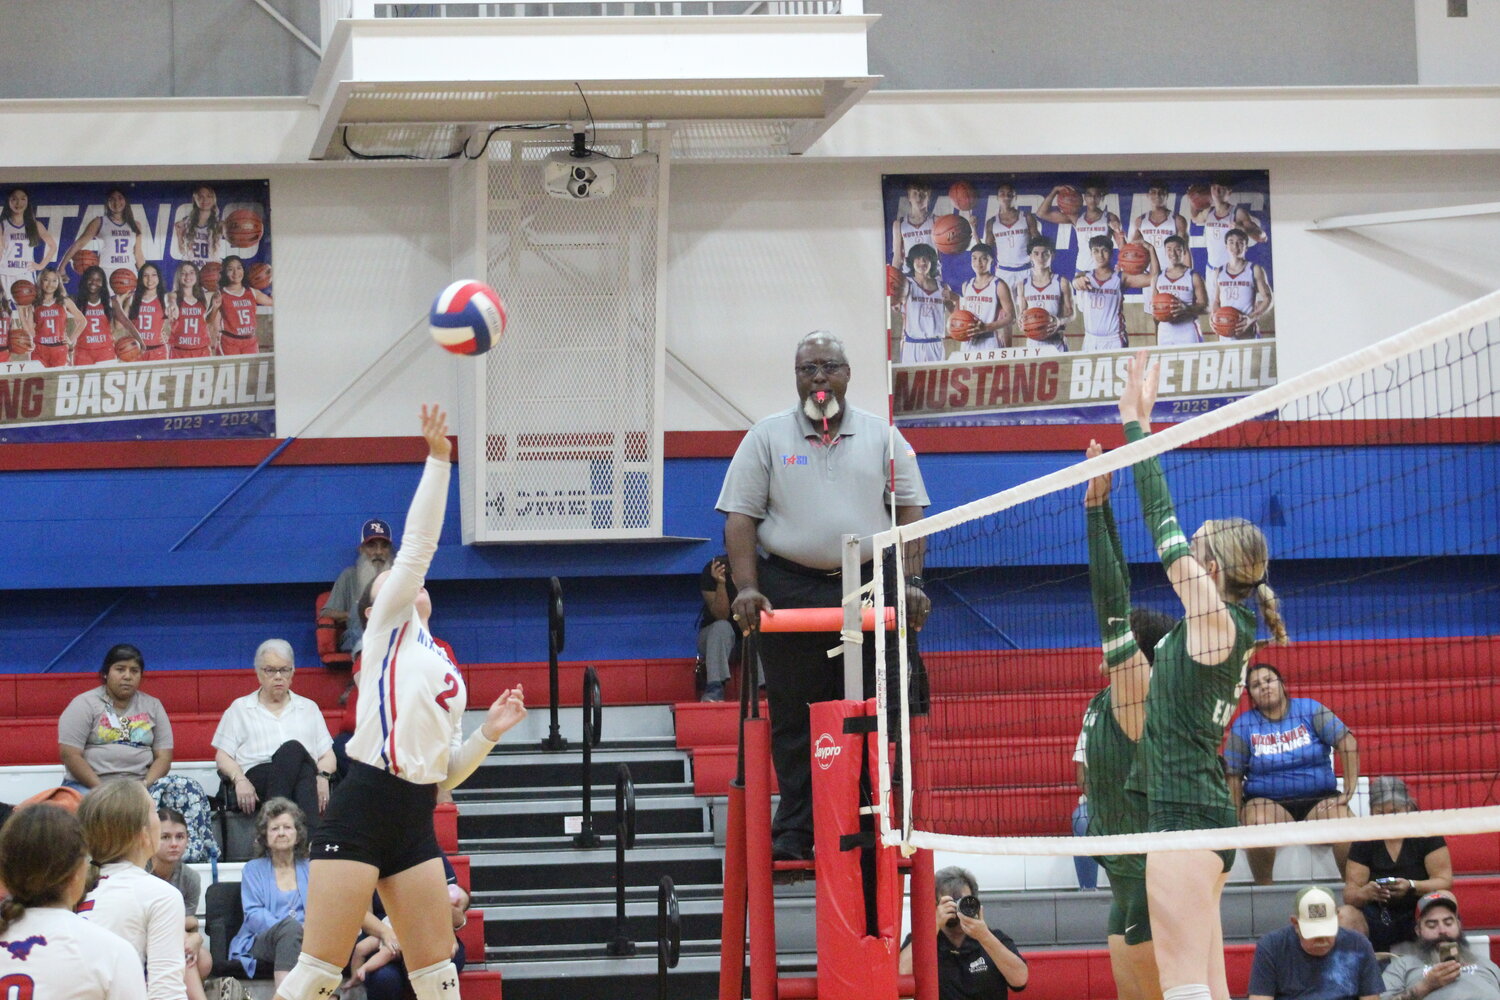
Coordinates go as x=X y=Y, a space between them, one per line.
x=829 y=368
x=277 y=671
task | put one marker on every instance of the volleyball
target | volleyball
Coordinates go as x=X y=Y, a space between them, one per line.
x=122 y=281
x=467 y=318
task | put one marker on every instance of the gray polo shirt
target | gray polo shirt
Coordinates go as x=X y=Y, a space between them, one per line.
x=806 y=495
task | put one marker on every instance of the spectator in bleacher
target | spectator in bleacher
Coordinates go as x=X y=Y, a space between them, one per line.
x=1440 y=963
x=374 y=557
x=377 y=960
x=122 y=831
x=1313 y=958
x=1385 y=878
x=117 y=730
x=167 y=865
x=273 y=892
x=975 y=961
x=719 y=643
x=1279 y=756
x=274 y=743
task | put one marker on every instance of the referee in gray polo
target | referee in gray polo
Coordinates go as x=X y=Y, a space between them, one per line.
x=800 y=480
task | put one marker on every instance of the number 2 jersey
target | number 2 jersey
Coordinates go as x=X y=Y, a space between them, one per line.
x=411 y=695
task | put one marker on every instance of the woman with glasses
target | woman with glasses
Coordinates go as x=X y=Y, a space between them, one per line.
x=273 y=743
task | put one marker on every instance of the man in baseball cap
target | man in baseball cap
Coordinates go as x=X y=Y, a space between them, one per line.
x=1440 y=964
x=375 y=556
x=1312 y=957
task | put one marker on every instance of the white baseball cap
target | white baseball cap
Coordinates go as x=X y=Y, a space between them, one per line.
x=1317 y=913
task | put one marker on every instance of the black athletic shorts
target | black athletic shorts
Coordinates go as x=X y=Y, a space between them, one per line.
x=1299 y=808
x=380 y=819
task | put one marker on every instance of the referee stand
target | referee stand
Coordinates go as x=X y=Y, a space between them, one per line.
x=858 y=879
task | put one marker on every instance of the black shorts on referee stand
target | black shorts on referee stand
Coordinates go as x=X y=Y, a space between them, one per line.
x=378 y=818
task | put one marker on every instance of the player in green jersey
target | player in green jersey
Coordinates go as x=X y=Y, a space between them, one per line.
x=1195 y=686
x=1111 y=727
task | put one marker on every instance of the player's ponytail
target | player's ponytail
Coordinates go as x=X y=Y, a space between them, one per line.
x=1244 y=559
x=41 y=849
x=1270 y=609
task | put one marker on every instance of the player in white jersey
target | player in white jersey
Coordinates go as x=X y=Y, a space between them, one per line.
x=198 y=236
x=1221 y=215
x=118 y=234
x=1242 y=285
x=1009 y=231
x=1042 y=289
x=20 y=235
x=408 y=742
x=1101 y=297
x=121 y=828
x=1092 y=219
x=1179 y=280
x=988 y=298
x=924 y=308
x=48 y=952
x=915 y=227
x=1154 y=225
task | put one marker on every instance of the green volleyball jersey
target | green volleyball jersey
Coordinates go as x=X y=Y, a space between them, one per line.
x=1187 y=710
x=1108 y=755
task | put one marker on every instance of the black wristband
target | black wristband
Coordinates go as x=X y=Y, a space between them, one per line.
x=326 y=774
x=915 y=581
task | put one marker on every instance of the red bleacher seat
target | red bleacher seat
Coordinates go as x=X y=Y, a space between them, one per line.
x=445 y=825
x=480 y=984
x=621 y=682
x=462 y=868
x=329 y=634
x=1475 y=853
x=472 y=936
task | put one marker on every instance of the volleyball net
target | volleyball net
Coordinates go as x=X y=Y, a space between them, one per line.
x=1373 y=480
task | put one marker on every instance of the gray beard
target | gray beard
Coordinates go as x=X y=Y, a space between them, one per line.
x=366 y=570
x=827 y=411
x=1428 y=950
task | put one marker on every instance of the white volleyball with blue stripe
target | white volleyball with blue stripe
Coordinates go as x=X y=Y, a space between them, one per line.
x=467 y=318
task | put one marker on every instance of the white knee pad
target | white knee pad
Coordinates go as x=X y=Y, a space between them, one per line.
x=435 y=982
x=311 y=979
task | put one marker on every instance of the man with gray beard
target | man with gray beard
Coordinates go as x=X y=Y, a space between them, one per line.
x=375 y=555
x=800 y=480
x=1439 y=964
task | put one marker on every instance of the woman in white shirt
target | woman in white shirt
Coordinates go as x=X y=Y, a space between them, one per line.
x=121 y=829
x=50 y=951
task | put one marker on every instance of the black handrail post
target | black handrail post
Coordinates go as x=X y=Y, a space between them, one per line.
x=668 y=933
x=621 y=944
x=555 y=635
x=593 y=717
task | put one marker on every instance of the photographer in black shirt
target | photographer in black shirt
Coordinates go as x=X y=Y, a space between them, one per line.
x=975 y=961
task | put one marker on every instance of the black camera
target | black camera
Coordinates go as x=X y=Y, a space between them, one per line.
x=969 y=906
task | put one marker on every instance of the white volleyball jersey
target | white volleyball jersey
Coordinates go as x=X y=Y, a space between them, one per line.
x=146 y=912
x=54 y=954
x=118 y=242
x=1009 y=241
x=1083 y=232
x=1182 y=331
x=1215 y=227
x=912 y=235
x=1156 y=233
x=411 y=695
x=1103 y=317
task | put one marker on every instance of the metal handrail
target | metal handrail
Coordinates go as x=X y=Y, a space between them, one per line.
x=621 y=944
x=600 y=8
x=593 y=719
x=668 y=933
x=555 y=635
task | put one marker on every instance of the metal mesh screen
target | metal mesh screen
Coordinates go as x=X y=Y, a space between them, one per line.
x=570 y=401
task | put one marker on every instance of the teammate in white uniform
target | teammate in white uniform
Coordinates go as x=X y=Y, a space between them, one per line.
x=915 y=227
x=1242 y=285
x=118 y=233
x=199 y=234
x=20 y=235
x=1092 y=220
x=988 y=298
x=1044 y=290
x=1101 y=294
x=1179 y=279
x=1220 y=216
x=122 y=830
x=408 y=741
x=1154 y=225
x=48 y=952
x=924 y=308
x=1009 y=231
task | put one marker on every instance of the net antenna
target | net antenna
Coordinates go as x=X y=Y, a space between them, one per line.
x=1401 y=511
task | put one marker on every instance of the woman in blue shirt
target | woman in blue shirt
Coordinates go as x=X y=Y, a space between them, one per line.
x=1279 y=756
x=273 y=892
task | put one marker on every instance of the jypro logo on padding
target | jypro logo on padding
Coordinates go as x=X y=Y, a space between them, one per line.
x=825 y=750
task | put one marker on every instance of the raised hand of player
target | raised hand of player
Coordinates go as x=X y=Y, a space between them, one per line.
x=1139 y=396
x=504 y=713
x=1098 y=489
x=435 y=430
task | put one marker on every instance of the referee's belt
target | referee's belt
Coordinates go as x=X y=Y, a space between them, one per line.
x=925 y=340
x=801 y=570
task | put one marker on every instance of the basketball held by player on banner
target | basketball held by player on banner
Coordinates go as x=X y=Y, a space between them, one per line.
x=951 y=234
x=1164 y=306
x=468 y=317
x=1036 y=323
x=1135 y=258
x=962 y=324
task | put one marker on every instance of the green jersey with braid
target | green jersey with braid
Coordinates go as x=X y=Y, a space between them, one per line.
x=1187 y=710
x=1108 y=755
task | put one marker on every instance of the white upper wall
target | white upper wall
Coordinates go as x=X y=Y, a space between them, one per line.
x=1457 y=49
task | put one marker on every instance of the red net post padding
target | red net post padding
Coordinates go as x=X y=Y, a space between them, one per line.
x=819 y=620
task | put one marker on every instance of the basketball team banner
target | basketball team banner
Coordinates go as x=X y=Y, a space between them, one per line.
x=137 y=310
x=1015 y=298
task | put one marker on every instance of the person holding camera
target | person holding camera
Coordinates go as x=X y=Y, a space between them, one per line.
x=1440 y=964
x=1313 y=958
x=1384 y=878
x=975 y=961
